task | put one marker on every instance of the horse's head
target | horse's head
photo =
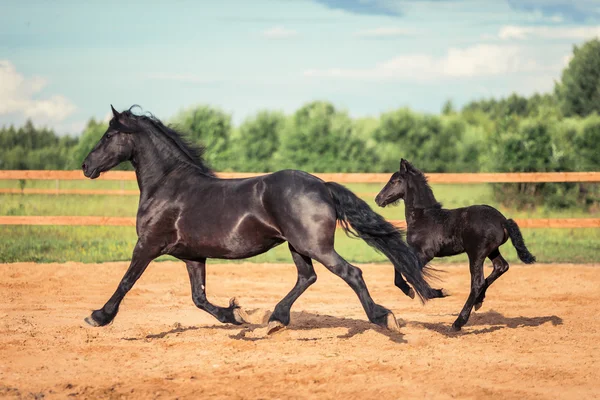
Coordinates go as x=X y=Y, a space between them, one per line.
x=114 y=147
x=396 y=187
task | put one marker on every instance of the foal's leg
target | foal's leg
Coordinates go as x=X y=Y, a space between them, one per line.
x=477 y=284
x=500 y=267
x=197 y=272
x=403 y=285
x=306 y=277
x=142 y=256
x=353 y=277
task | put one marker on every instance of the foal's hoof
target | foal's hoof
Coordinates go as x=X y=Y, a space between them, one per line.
x=456 y=327
x=478 y=306
x=274 y=327
x=239 y=314
x=91 y=322
x=392 y=323
x=411 y=293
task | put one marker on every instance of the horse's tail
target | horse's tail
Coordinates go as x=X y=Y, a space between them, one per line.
x=517 y=240
x=352 y=212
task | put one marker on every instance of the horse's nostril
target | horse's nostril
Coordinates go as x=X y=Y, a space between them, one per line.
x=83 y=166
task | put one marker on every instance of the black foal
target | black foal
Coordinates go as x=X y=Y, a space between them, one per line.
x=437 y=232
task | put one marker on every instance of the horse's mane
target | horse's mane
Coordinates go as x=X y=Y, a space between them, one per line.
x=423 y=194
x=149 y=124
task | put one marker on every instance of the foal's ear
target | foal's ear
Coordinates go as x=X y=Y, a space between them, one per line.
x=403 y=165
x=115 y=112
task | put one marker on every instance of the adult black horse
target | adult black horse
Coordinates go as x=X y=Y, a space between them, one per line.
x=434 y=231
x=189 y=213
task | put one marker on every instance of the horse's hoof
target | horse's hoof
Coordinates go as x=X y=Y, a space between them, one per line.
x=411 y=293
x=455 y=327
x=478 y=306
x=91 y=322
x=392 y=323
x=444 y=292
x=274 y=327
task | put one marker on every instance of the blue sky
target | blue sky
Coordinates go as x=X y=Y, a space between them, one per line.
x=63 y=62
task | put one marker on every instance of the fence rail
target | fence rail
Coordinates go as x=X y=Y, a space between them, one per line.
x=130 y=221
x=442 y=178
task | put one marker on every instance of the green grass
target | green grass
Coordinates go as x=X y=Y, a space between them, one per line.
x=97 y=244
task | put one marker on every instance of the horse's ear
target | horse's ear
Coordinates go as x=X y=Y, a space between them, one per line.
x=115 y=112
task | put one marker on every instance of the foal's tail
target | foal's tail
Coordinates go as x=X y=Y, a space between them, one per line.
x=517 y=240
x=352 y=212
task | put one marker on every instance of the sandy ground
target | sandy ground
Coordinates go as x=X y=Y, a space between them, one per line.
x=536 y=336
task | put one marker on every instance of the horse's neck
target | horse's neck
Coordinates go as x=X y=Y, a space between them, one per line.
x=152 y=167
x=419 y=197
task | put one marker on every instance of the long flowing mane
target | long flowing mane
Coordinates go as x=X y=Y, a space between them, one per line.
x=423 y=195
x=149 y=124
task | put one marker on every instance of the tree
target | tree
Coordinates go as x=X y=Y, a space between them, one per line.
x=321 y=139
x=579 y=89
x=448 y=108
x=210 y=127
x=587 y=144
x=259 y=141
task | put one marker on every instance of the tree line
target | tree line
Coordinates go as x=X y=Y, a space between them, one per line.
x=557 y=131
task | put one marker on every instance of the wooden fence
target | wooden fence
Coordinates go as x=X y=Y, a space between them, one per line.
x=442 y=178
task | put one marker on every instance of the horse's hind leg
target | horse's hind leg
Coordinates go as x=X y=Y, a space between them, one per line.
x=477 y=284
x=197 y=272
x=500 y=267
x=353 y=277
x=306 y=277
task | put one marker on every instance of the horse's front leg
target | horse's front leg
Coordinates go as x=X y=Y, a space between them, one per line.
x=197 y=272
x=142 y=255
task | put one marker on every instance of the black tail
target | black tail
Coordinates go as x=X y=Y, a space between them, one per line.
x=517 y=240
x=381 y=235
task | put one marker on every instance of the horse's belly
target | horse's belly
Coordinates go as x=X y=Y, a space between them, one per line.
x=245 y=239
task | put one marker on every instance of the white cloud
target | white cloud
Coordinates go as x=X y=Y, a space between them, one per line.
x=476 y=61
x=279 y=32
x=384 y=32
x=18 y=96
x=548 y=32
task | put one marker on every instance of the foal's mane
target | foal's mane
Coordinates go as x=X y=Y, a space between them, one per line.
x=149 y=124
x=424 y=198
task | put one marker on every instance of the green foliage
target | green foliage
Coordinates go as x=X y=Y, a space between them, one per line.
x=210 y=127
x=321 y=139
x=29 y=147
x=259 y=141
x=579 y=89
x=587 y=143
x=432 y=143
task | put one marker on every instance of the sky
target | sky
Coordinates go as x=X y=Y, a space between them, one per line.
x=65 y=61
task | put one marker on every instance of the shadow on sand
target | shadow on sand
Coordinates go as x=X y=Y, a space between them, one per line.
x=492 y=320
x=300 y=321
x=307 y=321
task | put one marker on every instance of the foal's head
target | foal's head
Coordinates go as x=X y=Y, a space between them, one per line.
x=407 y=178
x=115 y=146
